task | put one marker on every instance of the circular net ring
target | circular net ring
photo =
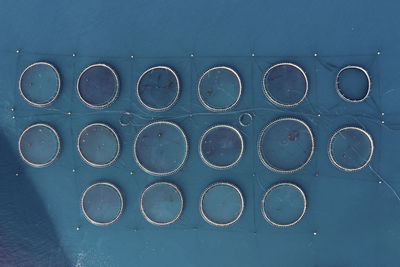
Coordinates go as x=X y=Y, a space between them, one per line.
x=267 y=216
x=275 y=169
x=269 y=95
x=214 y=222
x=339 y=91
x=93 y=220
x=106 y=103
x=204 y=157
x=148 y=216
x=25 y=157
x=57 y=88
x=125 y=118
x=370 y=154
x=164 y=173
x=245 y=119
x=167 y=106
x=225 y=108
x=88 y=161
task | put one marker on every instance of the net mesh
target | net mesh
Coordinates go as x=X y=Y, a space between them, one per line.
x=102 y=204
x=158 y=88
x=160 y=148
x=286 y=145
x=353 y=84
x=219 y=89
x=39 y=84
x=98 y=145
x=98 y=86
x=221 y=146
x=221 y=204
x=39 y=145
x=284 y=204
x=161 y=203
x=351 y=148
x=285 y=84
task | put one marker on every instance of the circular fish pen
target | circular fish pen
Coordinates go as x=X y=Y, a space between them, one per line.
x=221 y=147
x=353 y=84
x=285 y=145
x=161 y=203
x=158 y=88
x=98 y=86
x=160 y=148
x=219 y=89
x=350 y=148
x=102 y=204
x=221 y=204
x=285 y=84
x=283 y=205
x=39 y=145
x=98 y=145
x=39 y=84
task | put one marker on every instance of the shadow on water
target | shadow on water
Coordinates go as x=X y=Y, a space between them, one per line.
x=27 y=235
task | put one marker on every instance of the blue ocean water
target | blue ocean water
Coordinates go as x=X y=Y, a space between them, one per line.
x=352 y=219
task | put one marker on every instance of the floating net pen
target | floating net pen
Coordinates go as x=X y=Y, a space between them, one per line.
x=40 y=84
x=221 y=147
x=285 y=145
x=353 y=84
x=219 y=89
x=285 y=84
x=161 y=203
x=98 y=86
x=158 y=88
x=221 y=204
x=284 y=204
x=350 y=149
x=102 y=203
x=160 y=148
x=39 y=145
x=98 y=145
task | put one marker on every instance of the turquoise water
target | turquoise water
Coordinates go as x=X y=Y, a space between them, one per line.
x=351 y=218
